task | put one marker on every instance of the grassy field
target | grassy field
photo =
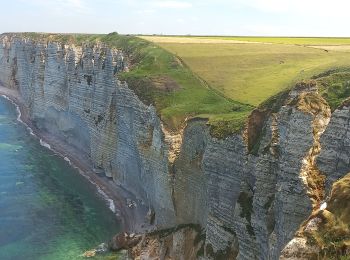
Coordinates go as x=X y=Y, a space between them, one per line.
x=280 y=40
x=295 y=40
x=252 y=72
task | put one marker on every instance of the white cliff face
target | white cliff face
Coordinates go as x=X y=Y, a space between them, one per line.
x=72 y=93
x=334 y=160
x=249 y=206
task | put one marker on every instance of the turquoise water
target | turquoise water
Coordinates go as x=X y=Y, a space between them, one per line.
x=47 y=210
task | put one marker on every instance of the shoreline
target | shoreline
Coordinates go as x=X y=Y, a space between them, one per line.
x=132 y=219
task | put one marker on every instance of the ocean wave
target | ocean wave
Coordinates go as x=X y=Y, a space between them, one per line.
x=43 y=143
x=19 y=115
x=110 y=201
x=67 y=160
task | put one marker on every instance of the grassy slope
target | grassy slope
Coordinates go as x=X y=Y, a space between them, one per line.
x=191 y=98
x=251 y=73
x=151 y=66
x=335 y=87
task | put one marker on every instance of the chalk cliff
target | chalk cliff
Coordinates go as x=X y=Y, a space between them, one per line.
x=248 y=202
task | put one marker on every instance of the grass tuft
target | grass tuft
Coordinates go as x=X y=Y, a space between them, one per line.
x=335 y=87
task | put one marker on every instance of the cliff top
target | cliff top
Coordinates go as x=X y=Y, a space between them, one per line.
x=160 y=78
x=184 y=77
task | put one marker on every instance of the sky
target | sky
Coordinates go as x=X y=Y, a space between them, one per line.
x=195 y=17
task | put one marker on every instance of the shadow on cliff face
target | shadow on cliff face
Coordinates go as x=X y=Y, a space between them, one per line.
x=255 y=128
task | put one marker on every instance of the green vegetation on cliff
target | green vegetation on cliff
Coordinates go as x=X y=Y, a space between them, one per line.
x=160 y=78
x=334 y=86
x=333 y=233
x=220 y=78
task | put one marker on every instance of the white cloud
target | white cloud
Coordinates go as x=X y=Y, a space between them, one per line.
x=173 y=4
x=74 y=3
x=302 y=7
x=146 y=11
x=180 y=20
x=63 y=6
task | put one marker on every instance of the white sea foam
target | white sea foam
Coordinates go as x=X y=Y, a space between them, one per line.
x=43 y=143
x=111 y=205
x=19 y=114
x=67 y=160
x=105 y=196
x=31 y=131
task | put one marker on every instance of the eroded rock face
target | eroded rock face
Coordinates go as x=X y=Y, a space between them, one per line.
x=273 y=186
x=249 y=205
x=334 y=158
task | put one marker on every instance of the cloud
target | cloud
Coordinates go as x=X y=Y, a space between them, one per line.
x=173 y=4
x=311 y=8
x=75 y=3
x=145 y=11
x=180 y=20
x=62 y=6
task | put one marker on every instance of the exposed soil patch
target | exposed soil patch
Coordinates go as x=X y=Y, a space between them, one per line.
x=165 y=83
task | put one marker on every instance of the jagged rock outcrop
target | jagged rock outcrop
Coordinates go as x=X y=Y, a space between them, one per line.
x=183 y=242
x=249 y=205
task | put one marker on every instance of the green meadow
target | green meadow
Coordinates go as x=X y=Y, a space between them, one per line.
x=287 y=40
x=252 y=72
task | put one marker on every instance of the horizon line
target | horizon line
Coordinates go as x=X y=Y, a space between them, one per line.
x=186 y=35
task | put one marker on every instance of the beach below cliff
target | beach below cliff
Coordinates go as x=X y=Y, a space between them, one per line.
x=130 y=211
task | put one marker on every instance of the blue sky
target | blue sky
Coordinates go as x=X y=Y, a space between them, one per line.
x=220 y=17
